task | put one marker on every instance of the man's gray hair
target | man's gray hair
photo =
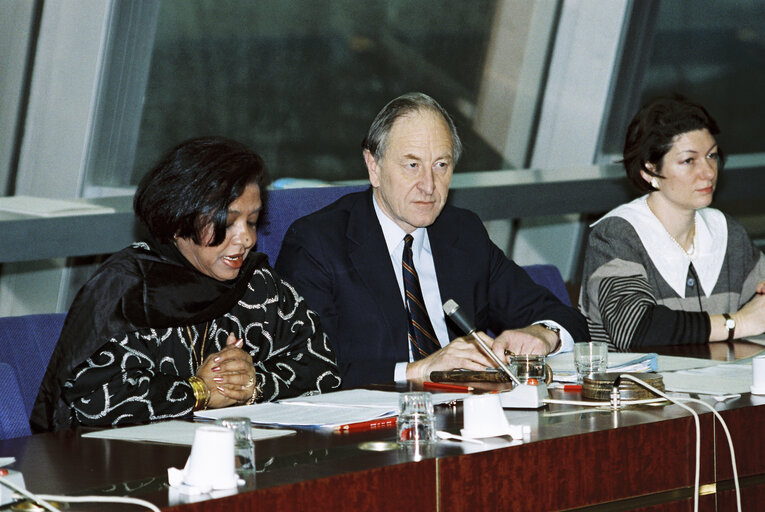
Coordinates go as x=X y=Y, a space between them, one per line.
x=400 y=107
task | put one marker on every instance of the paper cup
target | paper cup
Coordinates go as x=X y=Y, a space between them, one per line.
x=211 y=463
x=758 y=375
x=484 y=417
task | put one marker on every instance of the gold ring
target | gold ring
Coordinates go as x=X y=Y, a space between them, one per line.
x=509 y=353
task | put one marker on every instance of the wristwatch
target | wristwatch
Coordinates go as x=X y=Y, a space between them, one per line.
x=556 y=330
x=730 y=324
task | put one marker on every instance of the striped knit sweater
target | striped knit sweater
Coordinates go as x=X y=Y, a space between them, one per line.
x=639 y=288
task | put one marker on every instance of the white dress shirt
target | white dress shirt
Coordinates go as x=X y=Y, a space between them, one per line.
x=426 y=272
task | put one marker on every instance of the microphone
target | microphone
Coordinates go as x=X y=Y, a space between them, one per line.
x=452 y=310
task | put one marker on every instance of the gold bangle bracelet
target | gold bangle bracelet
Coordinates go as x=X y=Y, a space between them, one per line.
x=201 y=394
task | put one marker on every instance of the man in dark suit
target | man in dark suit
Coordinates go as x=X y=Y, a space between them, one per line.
x=379 y=291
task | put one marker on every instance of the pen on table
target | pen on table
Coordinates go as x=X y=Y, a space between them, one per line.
x=446 y=387
x=367 y=425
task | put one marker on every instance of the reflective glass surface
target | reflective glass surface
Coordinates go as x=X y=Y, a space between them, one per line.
x=708 y=51
x=301 y=81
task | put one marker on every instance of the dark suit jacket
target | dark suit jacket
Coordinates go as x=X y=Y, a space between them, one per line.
x=337 y=259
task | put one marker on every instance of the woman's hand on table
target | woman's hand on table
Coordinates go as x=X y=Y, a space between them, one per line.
x=229 y=374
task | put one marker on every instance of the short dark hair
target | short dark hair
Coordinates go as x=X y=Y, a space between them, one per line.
x=193 y=185
x=400 y=107
x=652 y=131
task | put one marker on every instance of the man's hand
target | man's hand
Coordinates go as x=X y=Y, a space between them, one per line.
x=462 y=352
x=533 y=339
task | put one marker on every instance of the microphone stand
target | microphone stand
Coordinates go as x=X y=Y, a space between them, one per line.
x=522 y=396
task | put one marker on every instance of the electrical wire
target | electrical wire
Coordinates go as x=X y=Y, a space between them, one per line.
x=730 y=446
x=698 y=441
x=27 y=494
x=603 y=404
x=43 y=499
x=695 y=420
x=100 y=499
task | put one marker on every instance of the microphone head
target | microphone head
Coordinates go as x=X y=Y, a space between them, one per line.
x=450 y=307
x=452 y=310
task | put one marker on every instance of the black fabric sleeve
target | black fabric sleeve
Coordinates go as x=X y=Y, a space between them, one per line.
x=299 y=357
x=125 y=382
x=661 y=325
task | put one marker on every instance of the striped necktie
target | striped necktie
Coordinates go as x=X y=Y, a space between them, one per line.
x=422 y=339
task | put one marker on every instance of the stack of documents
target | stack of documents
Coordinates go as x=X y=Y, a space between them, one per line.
x=680 y=374
x=327 y=410
x=563 y=369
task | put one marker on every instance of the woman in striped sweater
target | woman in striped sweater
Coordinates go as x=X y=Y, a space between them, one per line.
x=666 y=268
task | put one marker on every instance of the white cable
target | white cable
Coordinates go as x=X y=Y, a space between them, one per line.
x=603 y=404
x=40 y=499
x=698 y=431
x=100 y=499
x=24 y=492
x=730 y=445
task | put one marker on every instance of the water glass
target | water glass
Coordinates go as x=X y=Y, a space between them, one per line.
x=590 y=357
x=244 y=447
x=416 y=419
x=529 y=366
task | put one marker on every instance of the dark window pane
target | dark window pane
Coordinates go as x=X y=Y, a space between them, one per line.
x=300 y=81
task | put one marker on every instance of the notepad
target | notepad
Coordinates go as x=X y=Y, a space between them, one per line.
x=46 y=207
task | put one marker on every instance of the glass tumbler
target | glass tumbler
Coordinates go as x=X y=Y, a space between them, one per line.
x=244 y=447
x=416 y=419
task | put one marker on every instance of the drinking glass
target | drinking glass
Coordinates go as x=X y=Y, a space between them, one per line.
x=529 y=366
x=590 y=357
x=244 y=447
x=416 y=419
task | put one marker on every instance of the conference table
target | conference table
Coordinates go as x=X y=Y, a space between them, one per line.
x=577 y=458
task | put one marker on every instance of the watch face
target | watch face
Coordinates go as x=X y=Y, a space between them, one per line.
x=730 y=323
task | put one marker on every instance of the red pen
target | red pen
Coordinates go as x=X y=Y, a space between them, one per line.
x=572 y=388
x=446 y=387
x=362 y=426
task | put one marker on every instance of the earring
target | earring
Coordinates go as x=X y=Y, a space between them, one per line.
x=655 y=183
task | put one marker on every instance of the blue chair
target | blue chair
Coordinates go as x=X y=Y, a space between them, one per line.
x=550 y=277
x=26 y=344
x=14 y=421
x=284 y=206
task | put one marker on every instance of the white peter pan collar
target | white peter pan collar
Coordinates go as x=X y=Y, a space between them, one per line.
x=710 y=241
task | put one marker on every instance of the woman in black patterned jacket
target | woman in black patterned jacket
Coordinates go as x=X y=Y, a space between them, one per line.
x=192 y=318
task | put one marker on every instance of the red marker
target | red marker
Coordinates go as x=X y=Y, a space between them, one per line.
x=447 y=387
x=362 y=426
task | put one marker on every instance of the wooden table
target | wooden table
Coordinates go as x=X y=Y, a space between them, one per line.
x=576 y=459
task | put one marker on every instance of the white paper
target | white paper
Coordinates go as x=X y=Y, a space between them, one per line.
x=367 y=398
x=674 y=363
x=759 y=339
x=563 y=369
x=300 y=415
x=173 y=432
x=719 y=379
